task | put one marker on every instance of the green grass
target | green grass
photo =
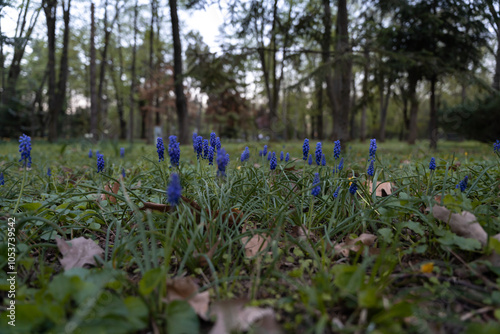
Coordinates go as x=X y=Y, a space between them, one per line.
x=311 y=287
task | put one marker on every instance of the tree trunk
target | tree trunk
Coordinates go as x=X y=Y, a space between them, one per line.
x=352 y=123
x=325 y=54
x=342 y=75
x=93 y=93
x=319 y=115
x=102 y=111
x=496 y=77
x=117 y=82
x=412 y=94
x=433 y=122
x=60 y=102
x=384 y=105
x=366 y=93
x=130 y=134
x=180 y=98
x=50 y=8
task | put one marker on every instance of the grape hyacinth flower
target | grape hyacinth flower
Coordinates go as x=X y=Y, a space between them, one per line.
x=245 y=155
x=287 y=157
x=316 y=187
x=496 y=146
x=174 y=150
x=432 y=164
x=211 y=156
x=341 y=165
x=273 y=162
x=205 y=149
x=310 y=161
x=160 y=148
x=336 y=192
x=264 y=151
x=463 y=184
x=323 y=160
x=123 y=172
x=90 y=153
x=261 y=153
x=2 y=180
x=221 y=162
x=217 y=144
x=49 y=172
x=122 y=152
x=213 y=137
x=195 y=135
x=269 y=156
x=25 y=149
x=371 y=169
x=353 y=188
x=373 y=148
x=336 y=149
x=305 y=149
x=199 y=147
x=174 y=190
x=318 y=153
x=282 y=156
x=100 y=162
x=97 y=153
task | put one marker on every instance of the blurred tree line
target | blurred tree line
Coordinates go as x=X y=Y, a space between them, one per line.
x=285 y=69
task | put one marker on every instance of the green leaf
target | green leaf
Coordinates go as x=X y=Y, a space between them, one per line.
x=31 y=206
x=181 y=318
x=348 y=278
x=386 y=234
x=415 y=227
x=368 y=297
x=150 y=281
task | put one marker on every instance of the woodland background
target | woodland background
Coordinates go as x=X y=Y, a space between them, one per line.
x=285 y=69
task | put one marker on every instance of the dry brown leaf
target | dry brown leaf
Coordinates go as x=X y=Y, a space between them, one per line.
x=232 y=315
x=464 y=224
x=202 y=260
x=383 y=189
x=355 y=244
x=255 y=244
x=78 y=252
x=112 y=199
x=184 y=288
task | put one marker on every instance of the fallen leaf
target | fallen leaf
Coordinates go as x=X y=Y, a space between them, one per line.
x=78 y=252
x=355 y=244
x=464 y=224
x=202 y=260
x=383 y=189
x=115 y=189
x=427 y=268
x=155 y=206
x=233 y=315
x=302 y=233
x=185 y=288
x=255 y=244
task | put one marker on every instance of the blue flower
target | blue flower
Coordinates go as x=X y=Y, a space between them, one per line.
x=336 y=150
x=353 y=188
x=122 y=152
x=174 y=150
x=90 y=153
x=371 y=169
x=323 y=160
x=305 y=149
x=496 y=146
x=273 y=162
x=160 y=148
x=316 y=187
x=341 y=165
x=245 y=155
x=195 y=135
x=287 y=157
x=205 y=149
x=123 y=172
x=49 y=172
x=100 y=162
x=217 y=144
x=282 y=156
x=432 y=164
x=318 y=153
x=2 y=181
x=174 y=190
x=310 y=161
x=199 y=147
x=25 y=149
x=336 y=193
x=264 y=151
x=373 y=148
x=261 y=153
x=213 y=139
x=211 y=156
x=463 y=184
x=222 y=161
x=269 y=156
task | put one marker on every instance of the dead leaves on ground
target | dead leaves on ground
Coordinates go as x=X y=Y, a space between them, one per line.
x=383 y=189
x=114 y=190
x=229 y=316
x=78 y=252
x=356 y=244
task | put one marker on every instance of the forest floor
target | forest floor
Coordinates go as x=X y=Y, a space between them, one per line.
x=256 y=250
